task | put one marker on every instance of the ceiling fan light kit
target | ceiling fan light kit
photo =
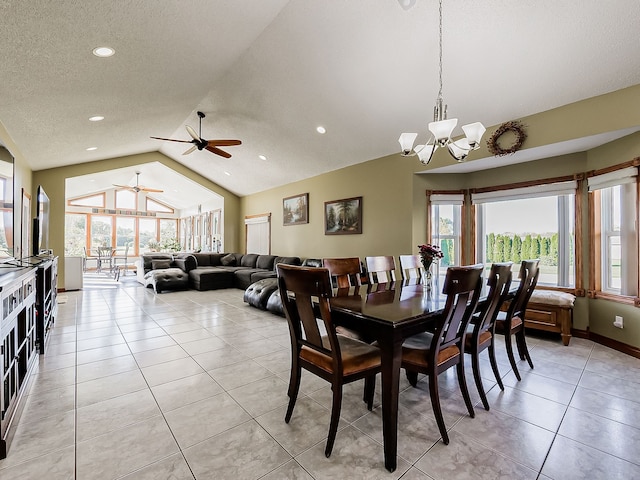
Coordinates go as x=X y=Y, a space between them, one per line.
x=441 y=127
x=202 y=144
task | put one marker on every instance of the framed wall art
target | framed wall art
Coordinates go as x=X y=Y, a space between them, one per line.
x=295 y=210
x=343 y=217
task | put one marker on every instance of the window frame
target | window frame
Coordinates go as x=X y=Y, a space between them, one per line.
x=598 y=232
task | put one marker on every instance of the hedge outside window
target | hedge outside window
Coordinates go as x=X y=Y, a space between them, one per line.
x=530 y=222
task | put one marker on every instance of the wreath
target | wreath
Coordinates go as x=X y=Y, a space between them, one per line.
x=514 y=126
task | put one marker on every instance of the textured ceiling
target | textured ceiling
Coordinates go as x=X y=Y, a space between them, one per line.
x=269 y=71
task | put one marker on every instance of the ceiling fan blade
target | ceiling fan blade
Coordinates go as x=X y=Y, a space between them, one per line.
x=223 y=143
x=128 y=187
x=190 y=150
x=217 y=151
x=193 y=133
x=147 y=189
x=172 y=140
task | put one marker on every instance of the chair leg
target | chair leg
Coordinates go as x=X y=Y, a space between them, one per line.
x=369 y=390
x=294 y=387
x=435 y=405
x=494 y=364
x=412 y=377
x=335 y=418
x=462 y=381
x=475 y=363
x=512 y=360
x=523 y=351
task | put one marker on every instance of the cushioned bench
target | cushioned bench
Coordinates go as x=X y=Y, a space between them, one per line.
x=551 y=311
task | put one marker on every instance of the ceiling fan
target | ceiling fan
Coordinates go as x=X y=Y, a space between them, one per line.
x=202 y=144
x=137 y=187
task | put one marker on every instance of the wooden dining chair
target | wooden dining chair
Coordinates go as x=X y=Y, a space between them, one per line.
x=433 y=353
x=480 y=333
x=381 y=269
x=411 y=266
x=333 y=357
x=511 y=322
x=346 y=272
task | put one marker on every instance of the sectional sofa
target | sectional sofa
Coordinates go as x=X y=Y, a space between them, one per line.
x=207 y=271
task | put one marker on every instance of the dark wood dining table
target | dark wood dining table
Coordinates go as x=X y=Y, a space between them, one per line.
x=389 y=313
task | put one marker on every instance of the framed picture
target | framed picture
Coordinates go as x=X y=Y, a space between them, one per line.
x=295 y=210
x=343 y=217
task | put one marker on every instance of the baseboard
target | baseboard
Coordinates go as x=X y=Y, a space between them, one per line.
x=607 y=342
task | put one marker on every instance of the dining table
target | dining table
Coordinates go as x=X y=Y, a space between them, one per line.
x=389 y=313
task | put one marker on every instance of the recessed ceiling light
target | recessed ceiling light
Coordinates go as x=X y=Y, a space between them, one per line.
x=91 y=149
x=262 y=157
x=103 y=51
x=321 y=130
x=96 y=118
x=227 y=173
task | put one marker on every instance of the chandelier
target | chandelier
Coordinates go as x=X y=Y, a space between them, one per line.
x=441 y=129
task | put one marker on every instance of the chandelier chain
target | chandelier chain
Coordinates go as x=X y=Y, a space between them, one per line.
x=440 y=64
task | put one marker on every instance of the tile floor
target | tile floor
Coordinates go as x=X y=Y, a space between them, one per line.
x=193 y=385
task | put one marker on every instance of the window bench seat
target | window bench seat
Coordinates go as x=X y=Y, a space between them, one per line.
x=551 y=311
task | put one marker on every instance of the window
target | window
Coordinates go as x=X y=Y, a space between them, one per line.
x=531 y=222
x=613 y=201
x=148 y=236
x=90 y=201
x=126 y=199
x=75 y=234
x=125 y=234
x=446 y=227
x=101 y=227
x=155 y=206
x=169 y=234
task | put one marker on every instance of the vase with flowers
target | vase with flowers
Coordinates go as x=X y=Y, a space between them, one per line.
x=428 y=253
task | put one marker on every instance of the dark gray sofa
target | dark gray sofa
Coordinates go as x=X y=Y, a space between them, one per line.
x=209 y=271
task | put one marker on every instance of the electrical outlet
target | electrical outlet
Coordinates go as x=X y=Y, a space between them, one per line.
x=618 y=322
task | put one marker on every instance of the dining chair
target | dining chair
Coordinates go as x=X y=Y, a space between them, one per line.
x=411 y=266
x=86 y=258
x=511 y=322
x=123 y=258
x=381 y=269
x=347 y=272
x=331 y=356
x=434 y=353
x=480 y=332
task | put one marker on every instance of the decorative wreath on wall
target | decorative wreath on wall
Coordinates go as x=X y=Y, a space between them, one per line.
x=514 y=126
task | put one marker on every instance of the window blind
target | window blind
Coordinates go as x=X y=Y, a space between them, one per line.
x=446 y=199
x=611 y=179
x=535 y=191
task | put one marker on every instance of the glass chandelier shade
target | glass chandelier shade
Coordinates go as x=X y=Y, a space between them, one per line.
x=441 y=129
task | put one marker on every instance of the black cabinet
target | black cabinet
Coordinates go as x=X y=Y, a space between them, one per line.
x=18 y=343
x=46 y=299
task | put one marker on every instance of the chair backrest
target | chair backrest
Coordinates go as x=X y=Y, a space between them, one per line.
x=411 y=266
x=528 y=275
x=462 y=285
x=298 y=286
x=346 y=271
x=499 y=283
x=381 y=269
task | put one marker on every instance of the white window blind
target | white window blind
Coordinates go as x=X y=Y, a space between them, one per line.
x=536 y=191
x=446 y=199
x=611 y=179
x=258 y=234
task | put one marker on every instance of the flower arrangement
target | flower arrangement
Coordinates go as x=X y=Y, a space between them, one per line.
x=428 y=253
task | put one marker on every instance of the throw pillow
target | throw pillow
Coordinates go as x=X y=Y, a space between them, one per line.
x=228 y=260
x=160 y=264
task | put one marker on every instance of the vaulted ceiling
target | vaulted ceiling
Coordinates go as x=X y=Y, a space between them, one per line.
x=269 y=72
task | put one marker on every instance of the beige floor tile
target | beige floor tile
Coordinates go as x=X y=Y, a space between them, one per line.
x=185 y=391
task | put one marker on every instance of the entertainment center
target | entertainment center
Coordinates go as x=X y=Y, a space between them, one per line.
x=28 y=299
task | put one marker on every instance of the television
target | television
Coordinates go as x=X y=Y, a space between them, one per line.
x=41 y=224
